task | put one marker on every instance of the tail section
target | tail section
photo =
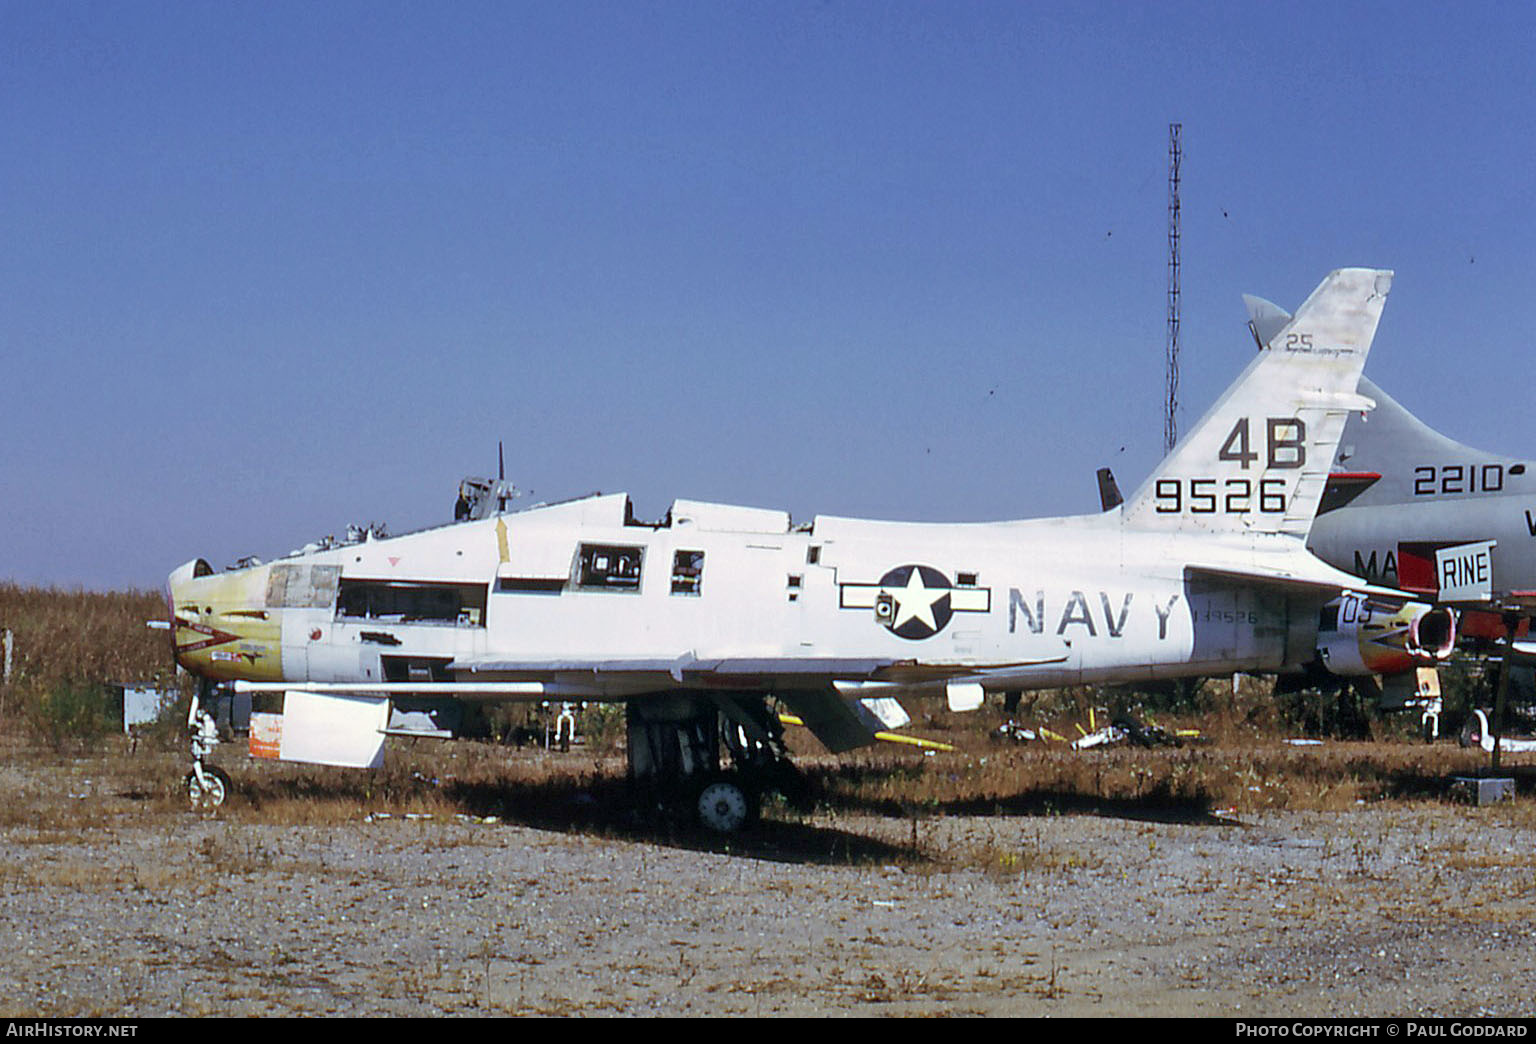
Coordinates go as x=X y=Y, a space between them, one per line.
x=1415 y=461
x=1390 y=456
x=1258 y=461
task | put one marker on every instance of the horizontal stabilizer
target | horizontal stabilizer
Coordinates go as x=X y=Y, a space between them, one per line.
x=1465 y=572
x=1323 y=580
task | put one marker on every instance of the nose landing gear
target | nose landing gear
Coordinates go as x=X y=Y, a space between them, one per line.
x=207 y=787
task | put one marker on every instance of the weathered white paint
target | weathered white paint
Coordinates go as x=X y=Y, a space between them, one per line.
x=1202 y=571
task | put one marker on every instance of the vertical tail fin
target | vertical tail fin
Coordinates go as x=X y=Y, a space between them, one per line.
x=1414 y=459
x=1258 y=460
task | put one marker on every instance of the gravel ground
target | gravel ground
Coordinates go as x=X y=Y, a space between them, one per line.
x=1393 y=911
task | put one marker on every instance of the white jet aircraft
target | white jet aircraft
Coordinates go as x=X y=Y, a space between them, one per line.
x=698 y=621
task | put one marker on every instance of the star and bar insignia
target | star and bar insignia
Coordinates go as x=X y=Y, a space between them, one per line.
x=915 y=601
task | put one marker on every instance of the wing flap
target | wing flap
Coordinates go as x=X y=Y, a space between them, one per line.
x=834 y=721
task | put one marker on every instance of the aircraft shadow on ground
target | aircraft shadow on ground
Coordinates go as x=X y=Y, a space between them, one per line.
x=1156 y=804
x=603 y=806
x=611 y=807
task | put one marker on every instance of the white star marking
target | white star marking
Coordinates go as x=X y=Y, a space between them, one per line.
x=915 y=602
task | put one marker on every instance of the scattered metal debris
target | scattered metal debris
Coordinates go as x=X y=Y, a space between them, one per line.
x=1121 y=729
x=1012 y=730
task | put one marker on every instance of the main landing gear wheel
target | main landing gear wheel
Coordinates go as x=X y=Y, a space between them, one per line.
x=211 y=791
x=725 y=806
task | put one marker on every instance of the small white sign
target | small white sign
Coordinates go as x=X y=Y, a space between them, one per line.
x=266 y=739
x=143 y=705
x=1465 y=572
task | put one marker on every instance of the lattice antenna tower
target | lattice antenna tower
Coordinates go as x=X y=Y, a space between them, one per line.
x=1175 y=154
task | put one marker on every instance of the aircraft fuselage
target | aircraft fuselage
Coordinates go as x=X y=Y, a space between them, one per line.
x=722 y=596
x=1419 y=492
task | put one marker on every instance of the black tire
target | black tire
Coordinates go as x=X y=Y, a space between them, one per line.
x=725 y=805
x=217 y=792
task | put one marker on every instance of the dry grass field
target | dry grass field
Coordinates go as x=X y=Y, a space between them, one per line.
x=471 y=878
x=83 y=636
x=1237 y=875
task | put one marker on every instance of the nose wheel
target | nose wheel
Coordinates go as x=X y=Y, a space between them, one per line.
x=208 y=788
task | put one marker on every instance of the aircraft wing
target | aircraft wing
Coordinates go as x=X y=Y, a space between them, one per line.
x=683 y=668
x=773 y=672
x=828 y=694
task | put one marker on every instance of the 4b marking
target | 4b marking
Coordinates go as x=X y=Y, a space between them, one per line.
x=1285 y=449
x=1285 y=443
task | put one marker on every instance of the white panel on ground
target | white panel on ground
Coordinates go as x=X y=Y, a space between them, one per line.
x=324 y=729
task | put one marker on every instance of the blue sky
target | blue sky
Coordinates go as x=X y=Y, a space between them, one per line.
x=268 y=269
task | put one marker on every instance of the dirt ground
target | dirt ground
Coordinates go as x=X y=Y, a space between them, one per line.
x=124 y=904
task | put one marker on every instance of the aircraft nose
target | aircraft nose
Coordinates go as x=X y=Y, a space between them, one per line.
x=175 y=584
x=176 y=594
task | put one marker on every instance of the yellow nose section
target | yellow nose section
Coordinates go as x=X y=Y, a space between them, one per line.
x=222 y=626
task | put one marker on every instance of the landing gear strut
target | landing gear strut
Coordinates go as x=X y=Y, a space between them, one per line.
x=674 y=753
x=207 y=787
